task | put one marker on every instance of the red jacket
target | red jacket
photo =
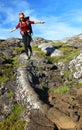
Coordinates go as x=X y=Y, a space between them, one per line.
x=24 y=26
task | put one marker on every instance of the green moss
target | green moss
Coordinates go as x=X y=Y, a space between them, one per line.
x=7 y=74
x=3 y=79
x=40 y=68
x=51 y=60
x=71 y=83
x=7 y=70
x=1 y=55
x=11 y=94
x=18 y=50
x=15 y=115
x=15 y=62
x=80 y=83
x=13 y=122
x=71 y=56
x=67 y=49
x=61 y=89
x=36 y=48
x=41 y=54
x=59 y=44
x=65 y=58
x=69 y=53
x=67 y=74
x=8 y=60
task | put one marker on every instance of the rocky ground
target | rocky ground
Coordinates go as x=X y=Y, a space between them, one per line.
x=34 y=83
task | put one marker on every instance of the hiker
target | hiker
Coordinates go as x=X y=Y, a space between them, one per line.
x=25 y=31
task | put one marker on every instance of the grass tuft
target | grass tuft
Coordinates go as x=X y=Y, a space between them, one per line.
x=62 y=89
x=13 y=122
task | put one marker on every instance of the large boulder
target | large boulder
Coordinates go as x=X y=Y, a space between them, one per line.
x=76 y=67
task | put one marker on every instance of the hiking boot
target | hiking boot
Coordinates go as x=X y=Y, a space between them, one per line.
x=28 y=58
x=30 y=54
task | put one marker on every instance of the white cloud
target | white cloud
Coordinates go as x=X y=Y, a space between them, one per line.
x=55 y=29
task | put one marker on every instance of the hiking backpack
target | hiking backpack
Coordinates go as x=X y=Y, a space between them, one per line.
x=29 y=26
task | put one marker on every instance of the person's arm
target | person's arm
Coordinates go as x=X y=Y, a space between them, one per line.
x=15 y=28
x=12 y=29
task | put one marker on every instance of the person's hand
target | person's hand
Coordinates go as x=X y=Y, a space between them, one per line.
x=12 y=30
x=39 y=22
x=42 y=22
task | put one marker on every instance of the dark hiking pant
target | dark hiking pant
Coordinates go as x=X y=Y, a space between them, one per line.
x=26 y=40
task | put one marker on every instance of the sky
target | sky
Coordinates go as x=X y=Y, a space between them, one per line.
x=63 y=18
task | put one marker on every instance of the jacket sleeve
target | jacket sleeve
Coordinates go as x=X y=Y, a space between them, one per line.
x=18 y=26
x=31 y=22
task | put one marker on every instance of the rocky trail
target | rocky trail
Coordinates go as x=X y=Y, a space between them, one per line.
x=60 y=111
x=34 y=87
